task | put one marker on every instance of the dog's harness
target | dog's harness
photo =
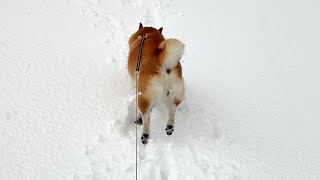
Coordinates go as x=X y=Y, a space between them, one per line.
x=142 y=38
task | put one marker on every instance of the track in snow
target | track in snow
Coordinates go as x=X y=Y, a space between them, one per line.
x=196 y=148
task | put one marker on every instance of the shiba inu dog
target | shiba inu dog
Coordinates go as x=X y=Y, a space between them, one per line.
x=160 y=76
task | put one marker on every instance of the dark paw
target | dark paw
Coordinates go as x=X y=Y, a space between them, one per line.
x=144 y=138
x=169 y=129
x=138 y=120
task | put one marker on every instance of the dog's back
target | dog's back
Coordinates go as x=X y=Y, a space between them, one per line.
x=150 y=54
x=160 y=77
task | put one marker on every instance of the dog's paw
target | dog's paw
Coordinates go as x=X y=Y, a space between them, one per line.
x=169 y=130
x=138 y=120
x=144 y=138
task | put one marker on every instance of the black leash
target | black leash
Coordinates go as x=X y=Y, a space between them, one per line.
x=142 y=38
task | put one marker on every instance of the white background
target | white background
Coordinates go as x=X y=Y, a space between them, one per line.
x=252 y=78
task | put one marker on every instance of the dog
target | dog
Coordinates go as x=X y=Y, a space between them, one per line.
x=160 y=76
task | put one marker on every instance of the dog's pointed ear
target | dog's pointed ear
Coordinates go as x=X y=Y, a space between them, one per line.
x=160 y=30
x=140 y=26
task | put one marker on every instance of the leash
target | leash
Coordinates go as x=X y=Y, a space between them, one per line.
x=142 y=38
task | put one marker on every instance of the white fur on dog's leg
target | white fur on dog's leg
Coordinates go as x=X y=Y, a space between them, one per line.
x=146 y=128
x=171 y=120
x=146 y=123
x=172 y=113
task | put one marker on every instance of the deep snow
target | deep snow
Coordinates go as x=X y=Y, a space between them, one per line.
x=252 y=86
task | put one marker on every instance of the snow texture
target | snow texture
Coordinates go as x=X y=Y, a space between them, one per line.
x=252 y=78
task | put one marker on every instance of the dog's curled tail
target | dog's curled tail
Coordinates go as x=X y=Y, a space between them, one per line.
x=171 y=52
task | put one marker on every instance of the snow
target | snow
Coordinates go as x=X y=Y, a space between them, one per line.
x=251 y=71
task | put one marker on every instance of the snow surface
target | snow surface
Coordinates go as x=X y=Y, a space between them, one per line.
x=252 y=86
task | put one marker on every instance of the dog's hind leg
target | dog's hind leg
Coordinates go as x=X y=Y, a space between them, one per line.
x=174 y=97
x=145 y=108
x=172 y=112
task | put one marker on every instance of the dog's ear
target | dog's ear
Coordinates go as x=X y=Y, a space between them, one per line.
x=140 y=26
x=160 y=30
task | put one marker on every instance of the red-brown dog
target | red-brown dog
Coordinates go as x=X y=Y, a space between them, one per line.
x=160 y=77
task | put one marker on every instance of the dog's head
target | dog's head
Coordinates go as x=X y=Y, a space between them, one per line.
x=149 y=31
